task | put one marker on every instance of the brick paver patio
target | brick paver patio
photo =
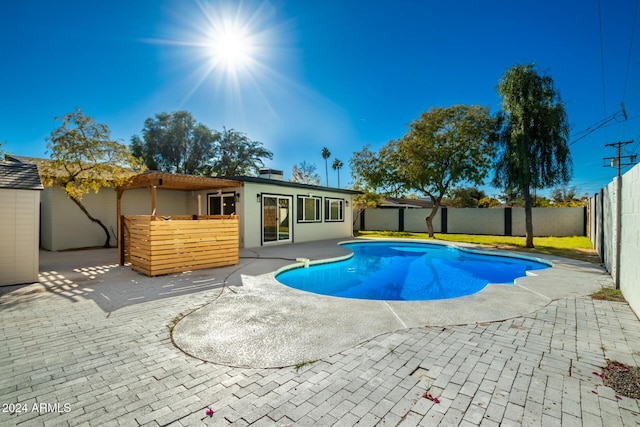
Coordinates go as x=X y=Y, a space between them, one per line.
x=82 y=362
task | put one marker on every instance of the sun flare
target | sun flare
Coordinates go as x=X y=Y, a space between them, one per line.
x=228 y=48
x=231 y=48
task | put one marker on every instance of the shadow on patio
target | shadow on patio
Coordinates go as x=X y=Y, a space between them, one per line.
x=94 y=274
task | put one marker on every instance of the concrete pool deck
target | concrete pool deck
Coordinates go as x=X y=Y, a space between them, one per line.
x=93 y=338
x=262 y=323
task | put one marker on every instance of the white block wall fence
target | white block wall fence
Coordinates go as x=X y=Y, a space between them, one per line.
x=615 y=232
x=497 y=222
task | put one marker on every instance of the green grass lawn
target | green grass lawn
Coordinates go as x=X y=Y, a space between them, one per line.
x=576 y=247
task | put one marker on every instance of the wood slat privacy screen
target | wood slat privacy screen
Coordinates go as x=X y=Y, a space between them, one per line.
x=156 y=246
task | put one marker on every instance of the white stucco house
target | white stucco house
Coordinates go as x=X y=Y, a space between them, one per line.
x=270 y=210
x=274 y=211
x=20 y=189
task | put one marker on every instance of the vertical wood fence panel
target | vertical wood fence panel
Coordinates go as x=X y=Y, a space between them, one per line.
x=156 y=246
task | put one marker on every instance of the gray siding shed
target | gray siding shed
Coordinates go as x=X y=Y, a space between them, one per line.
x=20 y=188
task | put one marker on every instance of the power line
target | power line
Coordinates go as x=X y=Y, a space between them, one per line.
x=633 y=28
x=637 y=140
x=604 y=97
x=635 y=147
x=617 y=160
x=594 y=127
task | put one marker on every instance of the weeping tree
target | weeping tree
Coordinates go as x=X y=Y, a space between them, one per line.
x=444 y=147
x=533 y=150
x=84 y=158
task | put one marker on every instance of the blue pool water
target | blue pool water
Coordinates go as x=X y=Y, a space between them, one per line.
x=408 y=271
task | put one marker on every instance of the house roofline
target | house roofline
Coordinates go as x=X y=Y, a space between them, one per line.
x=258 y=180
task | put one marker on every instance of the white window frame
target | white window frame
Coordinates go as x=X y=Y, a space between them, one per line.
x=328 y=201
x=301 y=213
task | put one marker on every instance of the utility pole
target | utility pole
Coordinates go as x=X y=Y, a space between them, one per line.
x=617 y=185
x=617 y=161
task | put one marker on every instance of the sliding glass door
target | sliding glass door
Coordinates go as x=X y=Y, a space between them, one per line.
x=276 y=219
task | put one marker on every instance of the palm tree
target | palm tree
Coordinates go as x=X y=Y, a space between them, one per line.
x=325 y=155
x=337 y=165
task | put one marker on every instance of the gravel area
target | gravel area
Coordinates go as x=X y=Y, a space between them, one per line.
x=625 y=380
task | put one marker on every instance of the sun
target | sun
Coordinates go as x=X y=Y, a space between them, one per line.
x=231 y=47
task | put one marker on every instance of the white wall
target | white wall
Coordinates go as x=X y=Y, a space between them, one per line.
x=549 y=221
x=65 y=226
x=169 y=202
x=607 y=250
x=19 y=241
x=46 y=219
x=415 y=220
x=475 y=221
x=546 y=221
x=630 y=239
x=604 y=215
x=381 y=219
x=302 y=232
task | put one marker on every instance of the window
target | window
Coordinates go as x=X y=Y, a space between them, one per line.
x=333 y=209
x=309 y=209
x=223 y=204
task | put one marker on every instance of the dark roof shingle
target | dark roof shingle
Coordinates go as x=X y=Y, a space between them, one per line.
x=19 y=176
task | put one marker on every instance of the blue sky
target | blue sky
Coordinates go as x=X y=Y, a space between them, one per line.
x=340 y=74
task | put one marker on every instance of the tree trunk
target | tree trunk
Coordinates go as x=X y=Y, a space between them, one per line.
x=326 y=170
x=429 y=220
x=107 y=243
x=528 y=220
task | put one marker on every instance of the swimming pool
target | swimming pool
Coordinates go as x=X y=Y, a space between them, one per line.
x=407 y=271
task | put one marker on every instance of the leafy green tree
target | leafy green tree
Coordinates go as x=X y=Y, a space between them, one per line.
x=84 y=158
x=375 y=170
x=305 y=173
x=541 y=202
x=533 y=145
x=325 y=155
x=175 y=142
x=565 y=196
x=446 y=146
x=466 y=197
x=234 y=154
x=488 y=202
x=511 y=197
x=337 y=165
x=366 y=199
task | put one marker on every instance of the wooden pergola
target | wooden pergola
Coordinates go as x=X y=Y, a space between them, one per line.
x=172 y=181
x=166 y=181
